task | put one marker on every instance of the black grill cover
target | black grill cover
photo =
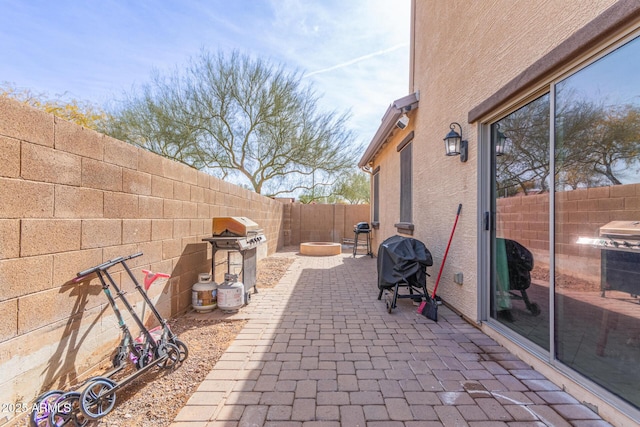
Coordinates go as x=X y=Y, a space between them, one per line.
x=520 y=262
x=361 y=227
x=402 y=259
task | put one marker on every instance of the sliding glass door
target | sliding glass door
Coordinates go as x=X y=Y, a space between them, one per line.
x=597 y=221
x=520 y=221
x=572 y=156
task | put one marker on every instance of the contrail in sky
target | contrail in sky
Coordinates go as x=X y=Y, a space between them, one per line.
x=358 y=59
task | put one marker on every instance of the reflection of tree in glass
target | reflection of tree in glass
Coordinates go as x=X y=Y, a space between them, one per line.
x=613 y=143
x=595 y=144
x=574 y=120
x=525 y=165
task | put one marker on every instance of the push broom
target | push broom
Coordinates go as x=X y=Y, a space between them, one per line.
x=429 y=308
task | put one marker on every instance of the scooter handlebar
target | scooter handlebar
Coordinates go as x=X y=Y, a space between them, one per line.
x=105 y=265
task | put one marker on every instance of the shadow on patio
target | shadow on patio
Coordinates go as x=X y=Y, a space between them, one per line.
x=320 y=349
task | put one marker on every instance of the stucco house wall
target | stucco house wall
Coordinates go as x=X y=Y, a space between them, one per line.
x=387 y=165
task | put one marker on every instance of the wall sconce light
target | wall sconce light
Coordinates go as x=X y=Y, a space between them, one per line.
x=501 y=141
x=454 y=144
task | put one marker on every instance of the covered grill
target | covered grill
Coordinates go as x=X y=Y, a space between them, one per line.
x=358 y=229
x=519 y=265
x=620 y=260
x=237 y=234
x=403 y=262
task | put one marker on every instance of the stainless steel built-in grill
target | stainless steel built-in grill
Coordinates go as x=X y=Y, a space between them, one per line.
x=238 y=243
x=620 y=260
x=237 y=234
x=616 y=235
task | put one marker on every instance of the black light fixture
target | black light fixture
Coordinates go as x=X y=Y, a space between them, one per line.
x=501 y=141
x=454 y=144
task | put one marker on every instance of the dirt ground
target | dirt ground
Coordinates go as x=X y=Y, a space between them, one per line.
x=564 y=281
x=154 y=399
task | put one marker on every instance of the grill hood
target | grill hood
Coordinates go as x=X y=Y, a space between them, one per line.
x=627 y=229
x=238 y=226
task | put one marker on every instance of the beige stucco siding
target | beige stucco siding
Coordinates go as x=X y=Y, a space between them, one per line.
x=463 y=52
x=388 y=160
x=467 y=50
x=389 y=182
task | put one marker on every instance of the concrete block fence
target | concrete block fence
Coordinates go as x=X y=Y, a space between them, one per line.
x=71 y=198
x=578 y=213
x=321 y=223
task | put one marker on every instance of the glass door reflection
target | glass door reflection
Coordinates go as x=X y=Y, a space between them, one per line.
x=520 y=221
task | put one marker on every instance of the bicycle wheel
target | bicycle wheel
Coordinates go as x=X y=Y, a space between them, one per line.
x=42 y=408
x=98 y=399
x=66 y=411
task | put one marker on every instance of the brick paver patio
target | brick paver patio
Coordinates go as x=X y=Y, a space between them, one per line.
x=319 y=349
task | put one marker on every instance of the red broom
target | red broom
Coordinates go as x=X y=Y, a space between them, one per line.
x=429 y=308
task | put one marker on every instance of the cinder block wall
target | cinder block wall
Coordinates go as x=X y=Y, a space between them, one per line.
x=579 y=213
x=71 y=198
x=322 y=223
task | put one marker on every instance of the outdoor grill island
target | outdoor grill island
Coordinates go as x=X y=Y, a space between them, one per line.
x=619 y=242
x=237 y=235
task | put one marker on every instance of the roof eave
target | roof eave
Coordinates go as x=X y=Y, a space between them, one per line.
x=395 y=110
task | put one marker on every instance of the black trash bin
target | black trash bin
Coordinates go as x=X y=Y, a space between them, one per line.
x=402 y=263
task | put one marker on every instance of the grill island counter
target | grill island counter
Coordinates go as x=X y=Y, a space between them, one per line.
x=619 y=242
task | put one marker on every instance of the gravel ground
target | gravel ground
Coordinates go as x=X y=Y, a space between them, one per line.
x=154 y=399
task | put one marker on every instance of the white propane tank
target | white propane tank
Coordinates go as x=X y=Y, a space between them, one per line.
x=204 y=294
x=230 y=293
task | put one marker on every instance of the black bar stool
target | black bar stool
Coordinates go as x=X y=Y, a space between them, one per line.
x=362 y=228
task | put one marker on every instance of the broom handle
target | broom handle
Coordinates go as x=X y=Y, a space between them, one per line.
x=435 y=288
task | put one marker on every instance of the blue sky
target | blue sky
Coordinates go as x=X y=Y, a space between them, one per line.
x=356 y=52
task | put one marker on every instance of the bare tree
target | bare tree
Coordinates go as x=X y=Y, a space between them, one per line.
x=613 y=143
x=239 y=117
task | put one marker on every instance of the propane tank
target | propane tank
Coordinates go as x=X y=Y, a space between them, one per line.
x=204 y=293
x=230 y=293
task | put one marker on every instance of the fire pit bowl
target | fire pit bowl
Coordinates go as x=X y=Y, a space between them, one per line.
x=320 y=248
